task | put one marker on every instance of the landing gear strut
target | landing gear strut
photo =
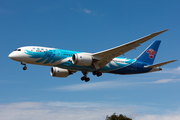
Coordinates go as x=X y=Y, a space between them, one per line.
x=97 y=69
x=25 y=67
x=85 y=78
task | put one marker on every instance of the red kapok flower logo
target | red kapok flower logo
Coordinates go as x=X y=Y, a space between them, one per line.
x=151 y=53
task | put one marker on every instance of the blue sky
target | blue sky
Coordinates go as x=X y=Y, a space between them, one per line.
x=89 y=26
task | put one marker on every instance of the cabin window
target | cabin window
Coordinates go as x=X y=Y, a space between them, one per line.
x=17 y=50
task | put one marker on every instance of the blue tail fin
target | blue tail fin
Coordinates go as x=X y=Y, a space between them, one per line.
x=149 y=54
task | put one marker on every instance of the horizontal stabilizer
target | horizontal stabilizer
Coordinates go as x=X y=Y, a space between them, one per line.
x=160 y=64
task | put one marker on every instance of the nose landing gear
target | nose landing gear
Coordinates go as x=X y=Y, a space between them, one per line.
x=25 y=67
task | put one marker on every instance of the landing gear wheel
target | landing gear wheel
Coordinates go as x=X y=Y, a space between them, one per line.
x=99 y=74
x=87 y=79
x=24 y=68
x=95 y=73
x=83 y=78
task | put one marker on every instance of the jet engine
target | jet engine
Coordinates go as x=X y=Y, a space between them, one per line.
x=59 y=72
x=82 y=59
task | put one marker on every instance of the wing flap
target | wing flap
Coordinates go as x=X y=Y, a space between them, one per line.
x=106 y=56
x=160 y=64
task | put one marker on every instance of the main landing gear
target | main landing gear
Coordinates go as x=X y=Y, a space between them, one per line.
x=97 y=73
x=85 y=78
x=25 y=67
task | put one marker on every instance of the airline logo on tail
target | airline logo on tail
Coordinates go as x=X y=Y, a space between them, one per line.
x=151 y=53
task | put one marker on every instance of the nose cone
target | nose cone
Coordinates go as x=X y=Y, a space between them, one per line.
x=17 y=56
x=11 y=55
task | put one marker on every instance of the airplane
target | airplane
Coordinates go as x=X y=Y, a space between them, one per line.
x=65 y=62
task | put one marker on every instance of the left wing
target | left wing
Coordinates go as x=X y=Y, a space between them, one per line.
x=104 y=57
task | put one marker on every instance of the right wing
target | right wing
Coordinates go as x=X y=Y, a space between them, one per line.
x=160 y=64
x=104 y=57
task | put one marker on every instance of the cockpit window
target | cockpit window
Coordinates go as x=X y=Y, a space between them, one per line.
x=17 y=50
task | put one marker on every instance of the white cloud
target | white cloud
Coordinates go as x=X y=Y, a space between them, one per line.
x=177 y=70
x=78 y=111
x=108 y=84
x=43 y=111
x=95 y=85
x=163 y=81
x=158 y=117
x=173 y=71
x=82 y=10
x=166 y=80
x=87 y=11
x=76 y=104
x=85 y=86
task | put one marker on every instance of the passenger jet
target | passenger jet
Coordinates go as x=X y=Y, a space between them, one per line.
x=65 y=62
